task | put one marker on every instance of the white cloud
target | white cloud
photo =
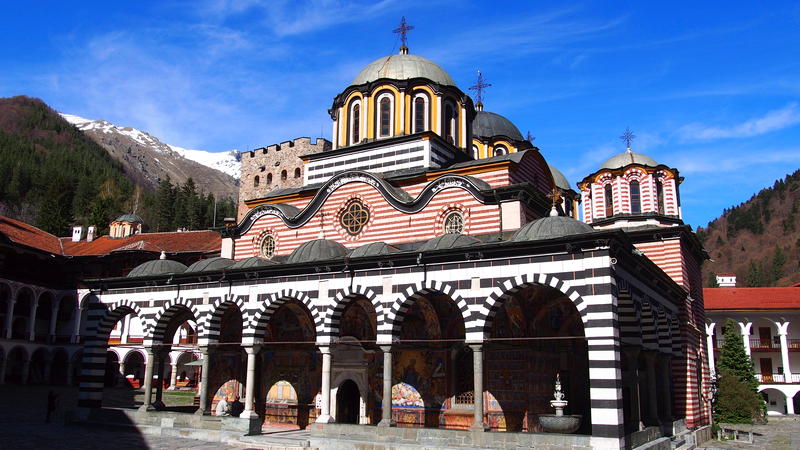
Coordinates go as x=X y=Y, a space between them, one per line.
x=724 y=161
x=772 y=121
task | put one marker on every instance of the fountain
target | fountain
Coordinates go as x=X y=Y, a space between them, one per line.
x=558 y=422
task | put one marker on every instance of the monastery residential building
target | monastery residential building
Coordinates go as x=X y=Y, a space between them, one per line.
x=425 y=269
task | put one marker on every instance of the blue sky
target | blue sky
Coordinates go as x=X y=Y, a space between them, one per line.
x=712 y=88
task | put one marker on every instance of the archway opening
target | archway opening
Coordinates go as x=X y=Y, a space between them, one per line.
x=113 y=376
x=20 y=326
x=228 y=362
x=44 y=315
x=16 y=366
x=134 y=363
x=425 y=369
x=5 y=303
x=39 y=366
x=65 y=320
x=290 y=368
x=536 y=335
x=178 y=323
x=59 y=367
x=776 y=402
x=348 y=402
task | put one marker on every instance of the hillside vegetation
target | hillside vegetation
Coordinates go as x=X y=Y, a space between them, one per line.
x=53 y=176
x=758 y=240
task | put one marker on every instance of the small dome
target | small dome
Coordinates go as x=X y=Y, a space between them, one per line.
x=129 y=218
x=551 y=227
x=156 y=267
x=403 y=67
x=559 y=179
x=207 y=265
x=252 y=262
x=626 y=158
x=488 y=124
x=449 y=240
x=317 y=250
x=373 y=249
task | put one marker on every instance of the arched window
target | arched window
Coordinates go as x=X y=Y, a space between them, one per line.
x=268 y=246
x=660 y=196
x=609 y=197
x=420 y=113
x=355 y=123
x=269 y=178
x=636 y=198
x=256 y=181
x=385 y=116
x=297 y=172
x=500 y=150
x=450 y=128
x=284 y=175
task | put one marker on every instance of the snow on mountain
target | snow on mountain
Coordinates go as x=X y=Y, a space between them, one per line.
x=226 y=162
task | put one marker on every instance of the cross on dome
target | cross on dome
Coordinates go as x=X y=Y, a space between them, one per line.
x=627 y=137
x=478 y=87
x=403 y=30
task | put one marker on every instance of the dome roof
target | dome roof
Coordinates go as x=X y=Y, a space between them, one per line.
x=252 y=262
x=551 y=227
x=628 y=157
x=317 y=250
x=207 y=265
x=403 y=67
x=488 y=124
x=449 y=240
x=129 y=218
x=373 y=249
x=559 y=179
x=156 y=267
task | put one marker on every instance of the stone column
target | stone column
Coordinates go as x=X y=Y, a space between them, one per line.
x=250 y=387
x=789 y=404
x=122 y=372
x=32 y=320
x=161 y=355
x=173 y=379
x=204 y=371
x=51 y=336
x=325 y=415
x=710 y=347
x=9 y=317
x=652 y=391
x=783 y=329
x=386 y=401
x=744 y=328
x=477 y=371
x=148 y=380
x=76 y=332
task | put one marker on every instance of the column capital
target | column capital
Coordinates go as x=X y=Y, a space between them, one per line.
x=477 y=347
x=710 y=328
x=324 y=349
x=386 y=348
x=252 y=349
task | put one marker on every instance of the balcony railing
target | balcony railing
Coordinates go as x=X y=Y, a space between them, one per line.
x=766 y=344
x=778 y=378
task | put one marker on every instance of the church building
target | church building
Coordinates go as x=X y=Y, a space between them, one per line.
x=427 y=269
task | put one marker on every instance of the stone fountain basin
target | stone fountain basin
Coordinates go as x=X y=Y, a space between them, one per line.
x=552 y=423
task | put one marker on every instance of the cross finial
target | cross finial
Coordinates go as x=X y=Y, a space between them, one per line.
x=530 y=137
x=628 y=137
x=478 y=87
x=403 y=30
x=555 y=197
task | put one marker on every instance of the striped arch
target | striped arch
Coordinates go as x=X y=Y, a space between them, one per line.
x=258 y=324
x=155 y=328
x=208 y=329
x=516 y=284
x=664 y=334
x=649 y=331
x=629 y=312
x=340 y=302
x=100 y=320
x=404 y=302
x=677 y=341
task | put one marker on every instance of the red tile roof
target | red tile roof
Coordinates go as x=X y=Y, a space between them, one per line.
x=28 y=235
x=172 y=242
x=751 y=298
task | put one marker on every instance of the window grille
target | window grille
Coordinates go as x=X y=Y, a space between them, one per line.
x=354 y=217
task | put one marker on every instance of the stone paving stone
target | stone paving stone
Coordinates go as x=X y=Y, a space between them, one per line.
x=780 y=433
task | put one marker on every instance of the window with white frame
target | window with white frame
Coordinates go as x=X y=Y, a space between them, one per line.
x=355 y=122
x=450 y=122
x=267 y=248
x=500 y=150
x=385 y=115
x=420 y=113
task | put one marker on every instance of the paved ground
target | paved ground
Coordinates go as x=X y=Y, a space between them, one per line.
x=778 y=434
x=22 y=427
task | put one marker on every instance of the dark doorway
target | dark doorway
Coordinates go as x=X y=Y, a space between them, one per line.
x=347 y=405
x=766 y=370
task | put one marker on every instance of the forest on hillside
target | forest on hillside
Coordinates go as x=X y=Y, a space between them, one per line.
x=758 y=240
x=54 y=177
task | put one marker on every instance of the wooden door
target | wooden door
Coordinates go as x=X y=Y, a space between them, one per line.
x=766 y=370
x=765 y=337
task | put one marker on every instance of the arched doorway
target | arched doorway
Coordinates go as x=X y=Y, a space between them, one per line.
x=347 y=402
x=228 y=361
x=134 y=363
x=536 y=334
x=168 y=329
x=112 y=374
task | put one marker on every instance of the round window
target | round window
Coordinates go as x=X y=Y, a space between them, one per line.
x=268 y=246
x=354 y=217
x=454 y=223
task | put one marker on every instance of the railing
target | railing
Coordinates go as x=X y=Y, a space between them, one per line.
x=778 y=378
x=794 y=344
x=758 y=344
x=465 y=398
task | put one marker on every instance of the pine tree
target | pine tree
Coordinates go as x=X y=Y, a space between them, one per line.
x=712 y=280
x=165 y=204
x=755 y=275
x=737 y=399
x=778 y=261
